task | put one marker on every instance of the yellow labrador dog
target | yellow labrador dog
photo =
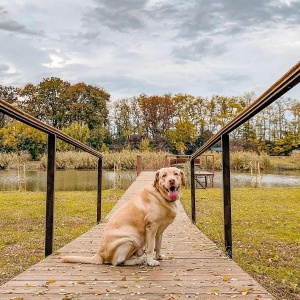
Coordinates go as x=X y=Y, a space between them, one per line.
x=137 y=227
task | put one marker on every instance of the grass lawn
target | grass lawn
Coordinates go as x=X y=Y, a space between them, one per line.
x=266 y=233
x=22 y=224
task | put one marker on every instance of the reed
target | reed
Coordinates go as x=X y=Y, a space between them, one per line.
x=295 y=159
x=124 y=160
x=8 y=160
x=243 y=161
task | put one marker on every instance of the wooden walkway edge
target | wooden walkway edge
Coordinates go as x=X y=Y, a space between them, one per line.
x=195 y=268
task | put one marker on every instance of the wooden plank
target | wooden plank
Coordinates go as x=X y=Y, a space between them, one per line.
x=194 y=268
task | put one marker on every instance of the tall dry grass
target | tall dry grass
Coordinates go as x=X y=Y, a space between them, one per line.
x=8 y=160
x=125 y=160
x=295 y=159
x=243 y=161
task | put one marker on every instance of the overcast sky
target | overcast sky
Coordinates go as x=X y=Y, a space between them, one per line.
x=129 y=47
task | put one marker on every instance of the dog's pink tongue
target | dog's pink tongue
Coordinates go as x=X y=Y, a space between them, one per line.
x=173 y=195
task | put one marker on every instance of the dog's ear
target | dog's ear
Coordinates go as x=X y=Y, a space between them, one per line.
x=182 y=178
x=155 y=183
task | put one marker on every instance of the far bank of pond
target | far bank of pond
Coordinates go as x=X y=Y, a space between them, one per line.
x=72 y=180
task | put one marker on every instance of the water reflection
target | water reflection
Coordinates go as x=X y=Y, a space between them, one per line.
x=68 y=180
x=72 y=180
x=264 y=180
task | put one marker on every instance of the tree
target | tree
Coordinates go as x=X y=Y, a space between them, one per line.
x=87 y=104
x=183 y=134
x=47 y=101
x=76 y=131
x=185 y=107
x=18 y=136
x=9 y=94
x=200 y=115
x=211 y=116
x=122 y=119
x=158 y=113
x=226 y=109
x=95 y=111
x=294 y=124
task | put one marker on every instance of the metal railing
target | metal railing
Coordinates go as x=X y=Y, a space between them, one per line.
x=279 y=88
x=53 y=133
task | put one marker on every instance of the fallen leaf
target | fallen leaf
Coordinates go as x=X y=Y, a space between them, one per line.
x=215 y=292
x=97 y=293
x=244 y=291
x=226 y=278
x=50 y=281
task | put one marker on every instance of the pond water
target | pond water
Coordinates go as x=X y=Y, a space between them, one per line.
x=69 y=180
x=87 y=180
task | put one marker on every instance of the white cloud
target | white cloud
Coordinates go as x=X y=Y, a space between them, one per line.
x=155 y=47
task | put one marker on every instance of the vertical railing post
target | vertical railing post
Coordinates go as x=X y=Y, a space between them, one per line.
x=226 y=194
x=193 y=191
x=50 y=194
x=99 y=190
x=138 y=164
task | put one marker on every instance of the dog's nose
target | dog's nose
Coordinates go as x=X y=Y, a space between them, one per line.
x=172 y=181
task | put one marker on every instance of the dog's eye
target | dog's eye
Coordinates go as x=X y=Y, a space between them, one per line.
x=164 y=175
x=176 y=173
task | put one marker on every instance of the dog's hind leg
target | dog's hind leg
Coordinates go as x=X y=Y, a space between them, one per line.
x=134 y=260
x=123 y=253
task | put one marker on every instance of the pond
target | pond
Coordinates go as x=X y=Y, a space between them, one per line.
x=87 y=180
x=69 y=180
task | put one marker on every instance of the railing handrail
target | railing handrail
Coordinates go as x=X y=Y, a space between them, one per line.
x=280 y=87
x=26 y=118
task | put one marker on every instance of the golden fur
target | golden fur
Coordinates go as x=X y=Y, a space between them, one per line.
x=137 y=227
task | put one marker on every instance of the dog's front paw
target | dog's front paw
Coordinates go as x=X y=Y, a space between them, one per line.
x=153 y=262
x=160 y=256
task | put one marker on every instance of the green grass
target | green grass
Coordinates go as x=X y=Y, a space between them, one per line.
x=266 y=233
x=266 y=230
x=22 y=223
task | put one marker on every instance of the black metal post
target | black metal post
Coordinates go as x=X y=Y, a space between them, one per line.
x=226 y=194
x=99 y=190
x=193 y=195
x=50 y=194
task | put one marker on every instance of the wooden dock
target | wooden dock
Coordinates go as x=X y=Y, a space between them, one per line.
x=195 y=269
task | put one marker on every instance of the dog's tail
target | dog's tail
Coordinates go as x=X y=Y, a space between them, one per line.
x=96 y=259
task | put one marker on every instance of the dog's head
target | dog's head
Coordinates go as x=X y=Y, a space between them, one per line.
x=168 y=182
